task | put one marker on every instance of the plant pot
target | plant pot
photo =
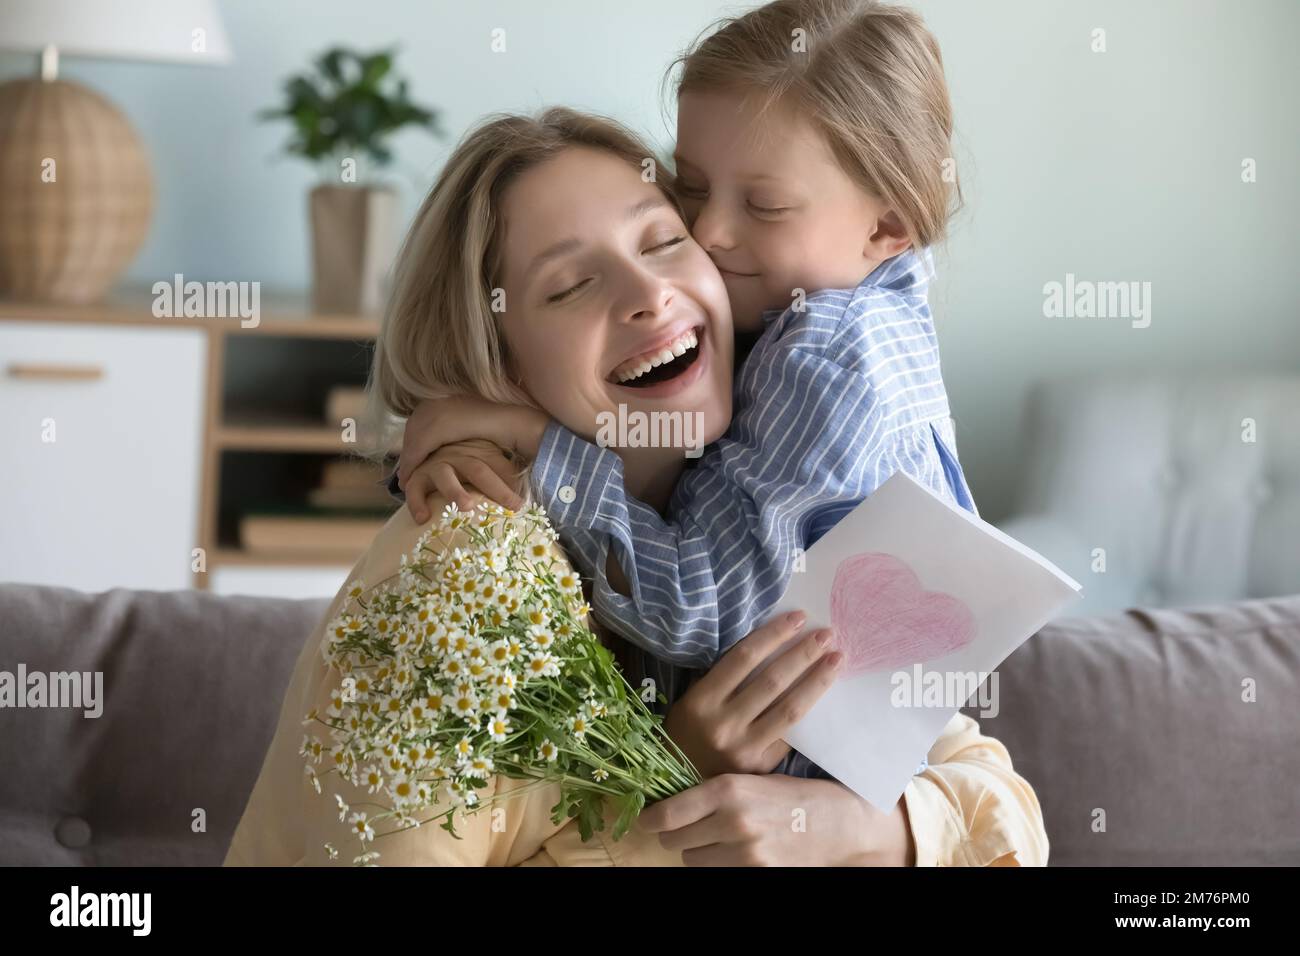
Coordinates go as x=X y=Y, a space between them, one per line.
x=354 y=241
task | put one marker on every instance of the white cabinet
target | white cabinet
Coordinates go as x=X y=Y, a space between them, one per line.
x=101 y=431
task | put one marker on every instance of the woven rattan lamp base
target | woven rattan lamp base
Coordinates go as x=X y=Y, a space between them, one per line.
x=76 y=192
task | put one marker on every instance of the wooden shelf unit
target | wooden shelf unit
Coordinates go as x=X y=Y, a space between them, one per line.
x=282 y=317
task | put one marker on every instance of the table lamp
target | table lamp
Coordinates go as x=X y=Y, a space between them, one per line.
x=76 y=192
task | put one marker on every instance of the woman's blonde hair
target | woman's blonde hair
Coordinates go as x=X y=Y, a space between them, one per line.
x=440 y=334
x=867 y=75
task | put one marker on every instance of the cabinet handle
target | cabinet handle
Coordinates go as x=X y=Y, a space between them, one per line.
x=60 y=373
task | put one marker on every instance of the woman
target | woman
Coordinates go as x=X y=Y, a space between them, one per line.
x=526 y=215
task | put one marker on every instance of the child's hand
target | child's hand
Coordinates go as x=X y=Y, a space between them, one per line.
x=725 y=728
x=478 y=462
x=444 y=421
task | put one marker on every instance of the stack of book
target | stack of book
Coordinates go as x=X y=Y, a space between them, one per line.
x=340 y=518
x=345 y=401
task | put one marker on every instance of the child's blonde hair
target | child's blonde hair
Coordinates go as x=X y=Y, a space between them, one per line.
x=440 y=334
x=867 y=75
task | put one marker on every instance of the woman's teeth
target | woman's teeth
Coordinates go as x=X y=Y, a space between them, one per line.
x=635 y=368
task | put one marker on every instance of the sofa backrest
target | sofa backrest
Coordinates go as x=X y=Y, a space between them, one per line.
x=1190 y=485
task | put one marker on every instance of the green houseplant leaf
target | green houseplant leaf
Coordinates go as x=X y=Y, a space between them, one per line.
x=349 y=106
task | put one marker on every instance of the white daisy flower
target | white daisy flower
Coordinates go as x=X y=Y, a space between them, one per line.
x=542 y=665
x=313 y=749
x=495 y=560
x=499 y=727
x=361 y=827
x=465 y=705
x=463 y=750
x=578 y=725
x=498 y=653
x=402 y=789
x=548 y=751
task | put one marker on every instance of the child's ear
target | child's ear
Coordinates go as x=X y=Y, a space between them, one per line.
x=889 y=238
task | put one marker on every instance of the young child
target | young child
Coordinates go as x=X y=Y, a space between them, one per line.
x=813 y=160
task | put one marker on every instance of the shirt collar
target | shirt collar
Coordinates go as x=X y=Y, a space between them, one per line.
x=908 y=272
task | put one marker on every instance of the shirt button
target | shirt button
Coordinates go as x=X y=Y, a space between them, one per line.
x=567 y=494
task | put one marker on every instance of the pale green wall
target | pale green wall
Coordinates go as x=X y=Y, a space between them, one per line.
x=1123 y=165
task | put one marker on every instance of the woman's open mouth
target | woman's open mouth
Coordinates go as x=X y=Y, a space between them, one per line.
x=657 y=368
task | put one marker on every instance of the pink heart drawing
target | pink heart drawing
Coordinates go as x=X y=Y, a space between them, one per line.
x=884 y=619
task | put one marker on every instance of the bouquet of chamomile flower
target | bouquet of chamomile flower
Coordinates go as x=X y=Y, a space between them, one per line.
x=479 y=662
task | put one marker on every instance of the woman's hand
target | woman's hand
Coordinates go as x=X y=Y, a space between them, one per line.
x=478 y=462
x=436 y=423
x=724 y=728
x=762 y=820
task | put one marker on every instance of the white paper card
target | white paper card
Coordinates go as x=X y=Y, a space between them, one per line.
x=908 y=579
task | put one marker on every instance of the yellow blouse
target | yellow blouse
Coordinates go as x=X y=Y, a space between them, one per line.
x=968 y=808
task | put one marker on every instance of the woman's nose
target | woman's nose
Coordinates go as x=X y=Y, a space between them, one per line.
x=645 y=294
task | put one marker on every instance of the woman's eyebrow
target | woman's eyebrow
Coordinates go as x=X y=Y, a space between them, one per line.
x=554 y=251
x=645 y=206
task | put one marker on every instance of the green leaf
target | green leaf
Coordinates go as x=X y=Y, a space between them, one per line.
x=352 y=103
x=331 y=64
x=590 y=815
x=632 y=803
x=375 y=67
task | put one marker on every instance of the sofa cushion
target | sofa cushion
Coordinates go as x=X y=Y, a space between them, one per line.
x=1146 y=715
x=192 y=686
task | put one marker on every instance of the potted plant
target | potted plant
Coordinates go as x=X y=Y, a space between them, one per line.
x=342 y=114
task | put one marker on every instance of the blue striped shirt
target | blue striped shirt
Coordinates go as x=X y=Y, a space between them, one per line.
x=834 y=398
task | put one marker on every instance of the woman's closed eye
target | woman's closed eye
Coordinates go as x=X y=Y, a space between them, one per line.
x=567 y=293
x=665 y=246
x=767 y=210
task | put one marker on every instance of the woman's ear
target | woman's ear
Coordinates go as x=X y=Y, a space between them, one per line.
x=888 y=238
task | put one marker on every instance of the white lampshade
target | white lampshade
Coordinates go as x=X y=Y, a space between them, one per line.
x=158 y=30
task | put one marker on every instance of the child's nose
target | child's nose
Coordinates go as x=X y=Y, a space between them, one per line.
x=713 y=228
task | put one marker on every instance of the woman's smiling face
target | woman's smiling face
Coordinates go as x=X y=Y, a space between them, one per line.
x=609 y=301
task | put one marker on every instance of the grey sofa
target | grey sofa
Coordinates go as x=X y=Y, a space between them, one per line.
x=1138 y=715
